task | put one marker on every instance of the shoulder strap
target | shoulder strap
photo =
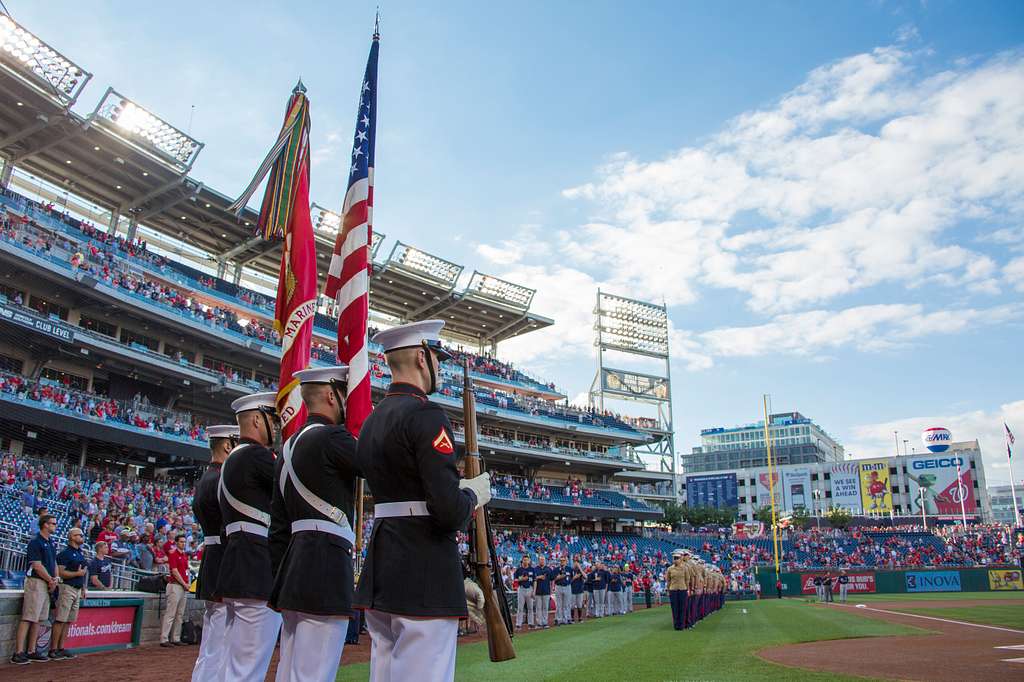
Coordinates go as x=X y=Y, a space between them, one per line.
x=309 y=497
x=235 y=503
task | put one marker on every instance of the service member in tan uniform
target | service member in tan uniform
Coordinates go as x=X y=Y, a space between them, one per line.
x=677 y=584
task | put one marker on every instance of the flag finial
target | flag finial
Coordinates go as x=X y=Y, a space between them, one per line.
x=376 y=24
x=299 y=87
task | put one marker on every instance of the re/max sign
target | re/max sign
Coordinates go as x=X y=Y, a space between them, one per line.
x=938 y=463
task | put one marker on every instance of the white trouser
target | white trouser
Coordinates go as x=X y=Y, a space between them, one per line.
x=614 y=603
x=421 y=649
x=579 y=602
x=563 y=603
x=600 y=602
x=252 y=628
x=627 y=595
x=210 y=662
x=170 y=629
x=311 y=647
x=524 y=606
x=541 y=606
x=843 y=587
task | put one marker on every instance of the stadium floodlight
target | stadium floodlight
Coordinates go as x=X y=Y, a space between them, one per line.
x=136 y=124
x=326 y=223
x=38 y=63
x=500 y=290
x=631 y=325
x=425 y=264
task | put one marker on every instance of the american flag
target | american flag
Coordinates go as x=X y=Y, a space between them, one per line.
x=1009 y=440
x=348 y=275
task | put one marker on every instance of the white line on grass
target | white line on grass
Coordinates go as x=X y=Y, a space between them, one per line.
x=944 y=620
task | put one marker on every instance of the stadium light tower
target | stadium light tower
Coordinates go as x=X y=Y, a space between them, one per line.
x=326 y=224
x=38 y=64
x=637 y=328
x=146 y=131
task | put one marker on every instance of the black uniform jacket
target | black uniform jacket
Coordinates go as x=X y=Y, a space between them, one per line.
x=206 y=509
x=248 y=473
x=406 y=451
x=313 y=570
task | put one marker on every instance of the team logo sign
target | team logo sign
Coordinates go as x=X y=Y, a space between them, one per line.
x=443 y=443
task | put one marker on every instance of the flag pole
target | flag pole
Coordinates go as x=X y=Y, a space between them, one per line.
x=960 y=482
x=771 y=488
x=1013 y=488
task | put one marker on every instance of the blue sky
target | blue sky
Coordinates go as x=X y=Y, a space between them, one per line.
x=828 y=195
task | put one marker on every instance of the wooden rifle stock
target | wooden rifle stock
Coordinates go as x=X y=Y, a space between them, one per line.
x=499 y=640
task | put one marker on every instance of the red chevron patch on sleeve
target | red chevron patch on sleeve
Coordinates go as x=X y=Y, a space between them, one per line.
x=443 y=443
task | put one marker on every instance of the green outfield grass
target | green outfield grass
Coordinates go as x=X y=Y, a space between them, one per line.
x=934 y=596
x=643 y=646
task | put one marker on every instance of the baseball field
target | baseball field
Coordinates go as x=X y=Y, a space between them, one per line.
x=927 y=637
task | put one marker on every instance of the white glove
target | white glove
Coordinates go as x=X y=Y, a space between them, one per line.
x=481 y=486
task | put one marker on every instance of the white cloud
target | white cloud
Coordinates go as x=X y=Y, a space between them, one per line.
x=855 y=179
x=984 y=425
x=1013 y=272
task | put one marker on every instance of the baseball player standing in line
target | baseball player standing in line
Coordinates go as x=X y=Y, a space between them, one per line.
x=524 y=577
x=563 y=592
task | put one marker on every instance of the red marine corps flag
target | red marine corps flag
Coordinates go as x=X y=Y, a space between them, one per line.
x=285 y=215
x=348 y=275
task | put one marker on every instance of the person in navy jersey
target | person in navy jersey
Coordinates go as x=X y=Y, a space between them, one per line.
x=100 y=577
x=589 y=581
x=563 y=592
x=40 y=582
x=524 y=576
x=541 y=593
x=600 y=590
x=615 y=592
x=577 y=589
x=627 y=588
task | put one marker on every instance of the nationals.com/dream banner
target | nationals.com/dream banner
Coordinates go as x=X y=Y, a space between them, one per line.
x=104 y=627
x=859 y=582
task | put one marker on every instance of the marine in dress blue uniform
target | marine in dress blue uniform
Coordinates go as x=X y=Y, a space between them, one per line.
x=245 y=578
x=311 y=536
x=206 y=509
x=411 y=584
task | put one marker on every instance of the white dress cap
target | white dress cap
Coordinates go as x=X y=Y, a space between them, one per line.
x=223 y=431
x=413 y=335
x=322 y=375
x=255 y=401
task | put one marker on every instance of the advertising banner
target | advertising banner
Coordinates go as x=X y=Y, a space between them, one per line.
x=105 y=627
x=933 y=581
x=860 y=583
x=1005 y=580
x=934 y=483
x=764 y=498
x=712 y=490
x=797 y=489
x=846 y=487
x=875 y=494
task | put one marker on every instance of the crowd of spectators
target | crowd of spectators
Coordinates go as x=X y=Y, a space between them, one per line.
x=138 y=519
x=52 y=395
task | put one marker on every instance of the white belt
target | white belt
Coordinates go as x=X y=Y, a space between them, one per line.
x=246 y=527
x=388 y=510
x=321 y=526
x=211 y=540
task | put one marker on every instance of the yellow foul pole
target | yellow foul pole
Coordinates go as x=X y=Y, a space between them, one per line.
x=776 y=545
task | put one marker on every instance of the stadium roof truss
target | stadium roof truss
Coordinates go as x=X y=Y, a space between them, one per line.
x=134 y=166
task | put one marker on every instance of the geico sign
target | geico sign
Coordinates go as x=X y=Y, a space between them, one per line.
x=938 y=463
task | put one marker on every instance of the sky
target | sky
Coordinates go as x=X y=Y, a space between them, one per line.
x=829 y=197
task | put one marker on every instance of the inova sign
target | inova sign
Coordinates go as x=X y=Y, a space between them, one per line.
x=936 y=439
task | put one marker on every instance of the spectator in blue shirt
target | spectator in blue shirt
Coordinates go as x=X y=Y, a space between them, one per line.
x=73 y=570
x=40 y=582
x=100 y=577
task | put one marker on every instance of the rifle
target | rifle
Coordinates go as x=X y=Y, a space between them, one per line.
x=499 y=641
